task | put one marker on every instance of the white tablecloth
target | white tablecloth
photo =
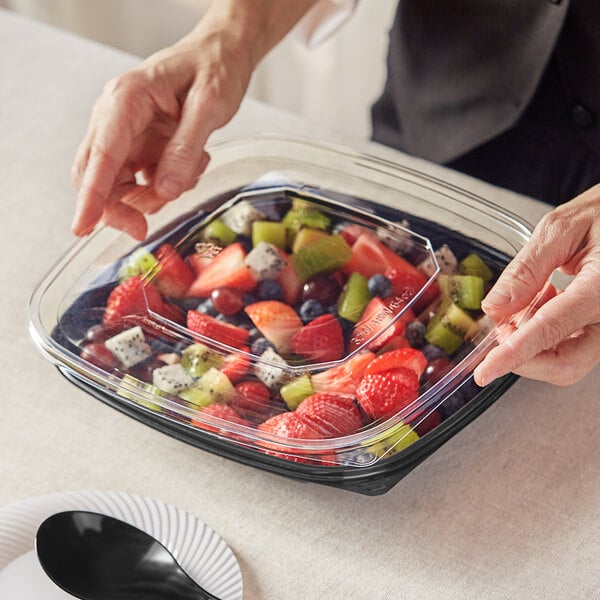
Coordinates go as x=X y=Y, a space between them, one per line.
x=509 y=508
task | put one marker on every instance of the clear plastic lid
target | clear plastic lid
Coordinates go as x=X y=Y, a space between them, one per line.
x=305 y=301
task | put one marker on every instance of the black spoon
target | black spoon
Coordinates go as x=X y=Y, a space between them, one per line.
x=97 y=557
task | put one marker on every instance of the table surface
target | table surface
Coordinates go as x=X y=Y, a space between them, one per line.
x=509 y=508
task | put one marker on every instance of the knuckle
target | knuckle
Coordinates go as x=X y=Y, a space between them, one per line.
x=553 y=225
x=551 y=330
x=181 y=152
x=128 y=90
x=514 y=352
x=521 y=274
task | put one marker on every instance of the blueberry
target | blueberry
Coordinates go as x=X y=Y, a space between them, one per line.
x=259 y=345
x=248 y=299
x=254 y=334
x=379 y=285
x=432 y=352
x=470 y=389
x=207 y=307
x=186 y=303
x=415 y=334
x=270 y=289
x=311 y=309
x=231 y=319
x=246 y=242
x=452 y=404
x=333 y=310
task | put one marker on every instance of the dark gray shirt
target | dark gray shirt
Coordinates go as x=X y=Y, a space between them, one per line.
x=462 y=72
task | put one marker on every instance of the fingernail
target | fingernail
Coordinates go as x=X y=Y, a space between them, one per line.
x=482 y=379
x=496 y=299
x=78 y=228
x=169 y=187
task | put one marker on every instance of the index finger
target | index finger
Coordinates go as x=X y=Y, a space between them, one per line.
x=554 y=242
x=109 y=148
x=553 y=322
x=101 y=157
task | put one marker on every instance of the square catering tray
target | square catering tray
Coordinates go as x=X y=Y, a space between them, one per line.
x=418 y=218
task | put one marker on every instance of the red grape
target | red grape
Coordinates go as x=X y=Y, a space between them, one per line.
x=227 y=301
x=98 y=354
x=98 y=333
x=435 y=370
x=323 y=287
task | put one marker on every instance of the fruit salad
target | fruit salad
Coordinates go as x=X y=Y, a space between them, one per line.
x=295 y=326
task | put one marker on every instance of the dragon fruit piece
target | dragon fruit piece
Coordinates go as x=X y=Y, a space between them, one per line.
x=129 y=346
x=265 y=261
x=270 y=372
x=428 y=266
x=171 y=378
x=399 y=241
x=446 y=259
x=240 y=217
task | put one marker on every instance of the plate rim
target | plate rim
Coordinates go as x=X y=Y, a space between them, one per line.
x=221 y=575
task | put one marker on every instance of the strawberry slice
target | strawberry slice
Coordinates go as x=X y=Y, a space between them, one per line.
x=353 y=231
x=227 y=269
x=371 y=256
x=289 y=280
x=131 y=299
x=407 y=284
x=252 y=400
x=174 y=276
x=277 y=321
x=344 y=378
x=214 y=329
x=330 y=415
x=223 y=412
x=288 y=425
x=378 y=317
x=236 y=365
x=197 y=262
x=385 y=393
x=404 y=357
x=320 y=340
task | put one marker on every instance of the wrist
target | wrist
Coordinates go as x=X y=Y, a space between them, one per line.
x=252 y=27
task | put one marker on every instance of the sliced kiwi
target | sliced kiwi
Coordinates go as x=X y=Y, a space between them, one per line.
x=217 y=231
x=392 y=441
x=464 y=290
x=271 y=232
x=213 y=386
x=473 y=264
x=139 y=262
x=455 y=317
x=303 y=214
x=448 y=327
x=325 y=254
x=141 y=390
x=306 y=236
x=442 y=336
x=198 y=358
x=296 y=390
x=354 y=297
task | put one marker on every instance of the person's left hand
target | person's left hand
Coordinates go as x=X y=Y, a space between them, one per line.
x=560 y=343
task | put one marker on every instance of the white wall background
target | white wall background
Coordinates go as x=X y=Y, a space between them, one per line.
x=333 y=84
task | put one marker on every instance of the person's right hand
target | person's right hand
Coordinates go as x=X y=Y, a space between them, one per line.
x=147 y=132
x=145 y=141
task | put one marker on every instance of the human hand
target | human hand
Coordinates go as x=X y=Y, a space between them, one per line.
x=560 y=343
x=145 y=141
